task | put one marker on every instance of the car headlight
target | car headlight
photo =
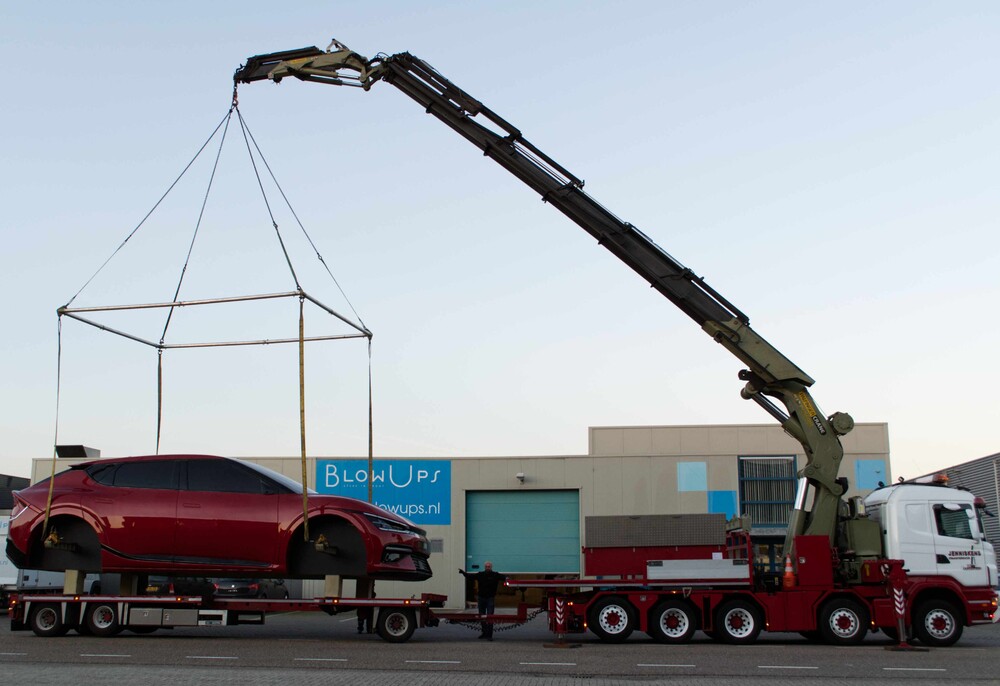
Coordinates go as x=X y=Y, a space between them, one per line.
x=384 y=524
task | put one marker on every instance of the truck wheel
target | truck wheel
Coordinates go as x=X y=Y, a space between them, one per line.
x=937 y=623
x=101 y=619
x=46 y=620
x=396 y=625
x=673 y=621
x=738 y=621
x=612 y=619
x=843 y=622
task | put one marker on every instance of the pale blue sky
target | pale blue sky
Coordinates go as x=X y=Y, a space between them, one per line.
x=831 y=168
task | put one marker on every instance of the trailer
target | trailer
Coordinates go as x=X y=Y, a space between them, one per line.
x=50 y=615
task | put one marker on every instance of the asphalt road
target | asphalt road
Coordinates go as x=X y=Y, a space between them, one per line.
x=312 y=648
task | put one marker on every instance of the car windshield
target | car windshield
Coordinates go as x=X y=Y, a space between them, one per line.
x=289 y=483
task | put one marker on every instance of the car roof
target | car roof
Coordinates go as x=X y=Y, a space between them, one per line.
x=148 y=458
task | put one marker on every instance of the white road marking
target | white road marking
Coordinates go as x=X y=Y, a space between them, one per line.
x=914 y=669
x=433 y=662
x=103 y=655
x=12 y=654
x=661 y=665
x=785 y=667
x=211 y=657
x=550 y=664
x=320 y=659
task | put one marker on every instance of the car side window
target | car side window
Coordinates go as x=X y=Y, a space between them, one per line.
x=223 y=476
x=103 y=473
x=153 y=474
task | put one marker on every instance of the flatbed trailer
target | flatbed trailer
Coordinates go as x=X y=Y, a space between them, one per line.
x=106 y=615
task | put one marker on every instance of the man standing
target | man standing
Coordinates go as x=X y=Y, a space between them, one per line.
x=487 y=582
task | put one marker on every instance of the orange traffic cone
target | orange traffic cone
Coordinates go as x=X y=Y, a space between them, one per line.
x=788 y=580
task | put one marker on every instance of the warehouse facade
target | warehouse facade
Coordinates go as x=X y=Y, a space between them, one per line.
x=528 y=514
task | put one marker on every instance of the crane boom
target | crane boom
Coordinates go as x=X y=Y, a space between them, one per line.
x=769 y=373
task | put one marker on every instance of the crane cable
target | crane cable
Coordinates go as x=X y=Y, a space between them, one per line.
x=180 y=280
x=128 y=237
x=248 y=139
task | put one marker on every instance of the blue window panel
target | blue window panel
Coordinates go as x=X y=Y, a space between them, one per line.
x=867 y=474
x=723 y=502
x=523 y=531
x=692 y=476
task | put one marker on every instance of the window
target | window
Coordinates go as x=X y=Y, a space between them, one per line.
x=103 y=473
x=953 y=521
x=156 y=474
x=767 y=489
x=224 y=476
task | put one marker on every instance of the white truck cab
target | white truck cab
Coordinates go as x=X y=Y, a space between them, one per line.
x=936 y=531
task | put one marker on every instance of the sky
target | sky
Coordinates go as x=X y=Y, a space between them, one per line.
x=830 y=168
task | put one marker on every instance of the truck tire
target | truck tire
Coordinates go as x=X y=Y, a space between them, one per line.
x=101 y=619
x=46 y=620
x=738 y=621
x=396 y=625
x=612 y=619
x=673 y=621
x=937 y=623
x=843 y=621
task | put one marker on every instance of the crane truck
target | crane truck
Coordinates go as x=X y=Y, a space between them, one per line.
x=910 y=555
x=910 y=559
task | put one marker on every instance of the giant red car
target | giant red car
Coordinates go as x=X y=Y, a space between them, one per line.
x=214 y=516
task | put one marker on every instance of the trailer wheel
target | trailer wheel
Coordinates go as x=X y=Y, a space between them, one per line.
x=46 y=620
x=673 y=621
x=612 y=619
x=101 y=619
x=396 y=625
x=843 y=621
x=937 y=623
x=738 y=621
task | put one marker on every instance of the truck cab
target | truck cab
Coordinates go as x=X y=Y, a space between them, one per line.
x=936 y=531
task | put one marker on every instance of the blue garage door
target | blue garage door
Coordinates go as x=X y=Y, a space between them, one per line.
x=523 y=532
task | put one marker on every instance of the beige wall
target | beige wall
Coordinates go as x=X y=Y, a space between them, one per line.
x=630 y=470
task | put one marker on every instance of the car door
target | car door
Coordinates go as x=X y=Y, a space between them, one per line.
x=227 y=516
x=137 y=506
x=959 y=544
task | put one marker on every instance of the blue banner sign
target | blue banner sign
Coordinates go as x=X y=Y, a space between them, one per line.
x=419 y=490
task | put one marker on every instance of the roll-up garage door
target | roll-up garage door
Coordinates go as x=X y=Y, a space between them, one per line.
x=523 y=532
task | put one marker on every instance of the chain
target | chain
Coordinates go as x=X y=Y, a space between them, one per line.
x=497 y=626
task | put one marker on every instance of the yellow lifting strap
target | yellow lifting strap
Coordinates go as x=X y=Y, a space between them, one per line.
x=302 y=417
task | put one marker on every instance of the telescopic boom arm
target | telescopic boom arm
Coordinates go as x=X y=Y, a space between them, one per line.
x=769 y=375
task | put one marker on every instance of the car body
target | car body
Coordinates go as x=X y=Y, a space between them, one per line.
x=250 y=588
x=184 y=515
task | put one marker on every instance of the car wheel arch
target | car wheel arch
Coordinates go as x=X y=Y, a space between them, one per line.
x=302 y=556
x=73 y=526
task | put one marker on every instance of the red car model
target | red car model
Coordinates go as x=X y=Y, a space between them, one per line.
x=213 y=516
